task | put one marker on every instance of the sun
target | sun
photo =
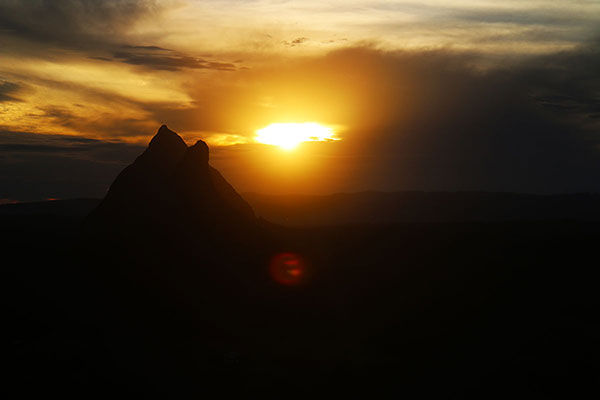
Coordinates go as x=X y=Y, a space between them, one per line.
x=289 y=135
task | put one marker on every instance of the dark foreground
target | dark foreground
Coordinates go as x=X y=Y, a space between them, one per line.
x=490 y=310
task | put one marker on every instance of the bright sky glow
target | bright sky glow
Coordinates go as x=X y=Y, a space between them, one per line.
x=289 y=135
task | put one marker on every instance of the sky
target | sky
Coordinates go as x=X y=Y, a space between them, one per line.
x=429 y=95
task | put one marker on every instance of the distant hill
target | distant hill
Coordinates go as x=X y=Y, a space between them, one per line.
x=398 y=207
x=378 y=207
x=60 y=208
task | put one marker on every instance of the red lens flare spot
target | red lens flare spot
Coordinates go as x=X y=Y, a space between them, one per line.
x=287 y=268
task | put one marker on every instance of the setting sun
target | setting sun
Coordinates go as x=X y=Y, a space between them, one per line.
x=289 y=135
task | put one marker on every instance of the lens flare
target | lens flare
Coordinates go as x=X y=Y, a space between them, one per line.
x=288 y=269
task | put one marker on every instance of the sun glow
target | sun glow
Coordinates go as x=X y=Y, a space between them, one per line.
x=289 y=135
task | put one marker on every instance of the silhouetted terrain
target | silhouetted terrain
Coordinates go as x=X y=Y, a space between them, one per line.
x=401 y=207
x=58 y=208
x=166 y=289
x=381 y=207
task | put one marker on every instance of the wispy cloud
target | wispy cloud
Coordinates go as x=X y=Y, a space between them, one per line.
x=74 y=23
x=8 y=90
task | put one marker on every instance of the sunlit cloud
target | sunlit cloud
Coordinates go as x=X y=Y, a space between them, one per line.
x=216 y=139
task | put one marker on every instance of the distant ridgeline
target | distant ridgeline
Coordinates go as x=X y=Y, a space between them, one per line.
x=378 y=207
x=422 y=207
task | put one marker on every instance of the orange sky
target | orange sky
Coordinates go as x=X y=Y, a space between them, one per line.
x=219 y=70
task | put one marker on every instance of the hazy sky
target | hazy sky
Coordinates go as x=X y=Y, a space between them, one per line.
x=429 y=95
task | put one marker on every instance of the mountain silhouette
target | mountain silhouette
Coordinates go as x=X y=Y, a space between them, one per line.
x=374 y=207
x=171 y=222
x=171 y=182
x=422 y=207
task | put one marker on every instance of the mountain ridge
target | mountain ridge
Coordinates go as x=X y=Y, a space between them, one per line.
x=169 y=181
x=294 y=209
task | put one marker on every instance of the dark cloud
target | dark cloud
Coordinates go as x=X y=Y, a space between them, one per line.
x=35 y=167
x=153 y=48
x=523 y=127
x=100 y=58
x=8 y=90
x=533 y=23
x=97 y=28
x=34 y=148
x=73 y=23
x=160 y=62
x=221 y=66
x=335 y=40
x=534 y=16
x=295 y=42
x=67 y=146
x=164 y=59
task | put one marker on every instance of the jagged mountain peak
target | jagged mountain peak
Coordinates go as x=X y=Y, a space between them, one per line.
x=199 y=152
x=167 y=142
x=164 y=132
x=169 y=183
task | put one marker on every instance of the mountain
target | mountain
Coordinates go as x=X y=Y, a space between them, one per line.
x=59 y=208
x=170 y=199
x=171 y=183
x=172 y=229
